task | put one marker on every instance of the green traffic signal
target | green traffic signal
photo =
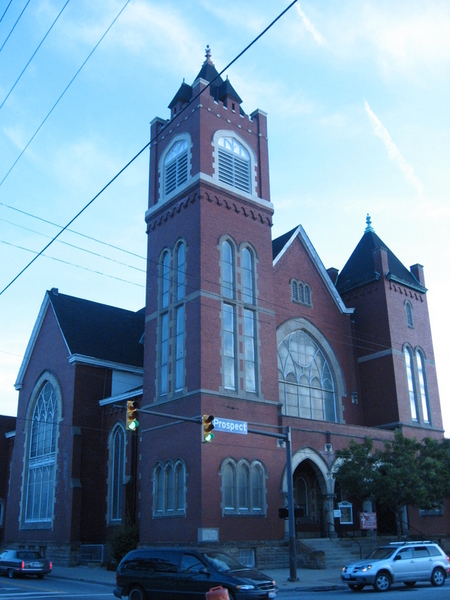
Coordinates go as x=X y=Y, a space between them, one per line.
x=207 y=427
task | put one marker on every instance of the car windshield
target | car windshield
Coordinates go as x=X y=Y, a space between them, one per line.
x=380 y=553
x=222 y=562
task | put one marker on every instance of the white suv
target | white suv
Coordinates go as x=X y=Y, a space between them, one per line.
x=405 y=562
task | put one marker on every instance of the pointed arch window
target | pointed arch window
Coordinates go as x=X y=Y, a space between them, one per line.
x=117 y=472
x=423 y=386
x=176 y=166
x=409 y=314
x=233 y=164
x=169 y=481
x=41 y=475
x=243 y=487
x=306 y=383
x=411 y=382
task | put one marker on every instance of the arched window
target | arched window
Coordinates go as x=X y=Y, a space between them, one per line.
x=307 y=294
x=181 y=271
x=409 y=314
x=301 y=294
x=411 y=383
x=294 y=290
x=116 y=472
x=306 y=383
x=176 y=166
x=165 y=277
x=248 y=294
x=233 y=164
x=243 y=487
x=423 y=385
x=169 y=489
x=40 y=486
x=227 y=270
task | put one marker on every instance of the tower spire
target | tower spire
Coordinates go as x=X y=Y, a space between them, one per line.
x=369 y=224
x=208 y=56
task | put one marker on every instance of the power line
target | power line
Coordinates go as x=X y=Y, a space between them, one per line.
x=14 y=26
x=33 y=55
x=5 y=11
x=62 y=94
x=142 y=149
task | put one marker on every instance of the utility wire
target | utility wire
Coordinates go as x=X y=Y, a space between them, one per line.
x=14 y=26
x=62 y=94
x=142 y=149
x=33 y=55
x=5 y=11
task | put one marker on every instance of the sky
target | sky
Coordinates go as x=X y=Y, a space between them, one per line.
x=356 y=92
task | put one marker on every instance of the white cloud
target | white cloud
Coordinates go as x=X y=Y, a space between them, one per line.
x=393 y=152
x=318 y=37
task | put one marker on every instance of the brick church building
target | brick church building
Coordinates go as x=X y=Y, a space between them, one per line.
x=254 y=331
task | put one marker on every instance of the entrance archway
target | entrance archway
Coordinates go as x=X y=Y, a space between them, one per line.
x=313 y=494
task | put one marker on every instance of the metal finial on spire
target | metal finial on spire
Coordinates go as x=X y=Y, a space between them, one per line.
x=369 y=224
x=208 y=53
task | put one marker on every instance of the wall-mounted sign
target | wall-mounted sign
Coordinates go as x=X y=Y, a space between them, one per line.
x=368 y=520
x=346 y=509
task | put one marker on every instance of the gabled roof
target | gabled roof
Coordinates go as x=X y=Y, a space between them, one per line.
x=94 y=333
x=359 y=269
x=282 y=244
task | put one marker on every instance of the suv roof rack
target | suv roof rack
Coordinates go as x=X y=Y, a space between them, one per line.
x=410 y=542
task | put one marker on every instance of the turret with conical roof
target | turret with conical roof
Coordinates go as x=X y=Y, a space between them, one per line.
x=391 y=328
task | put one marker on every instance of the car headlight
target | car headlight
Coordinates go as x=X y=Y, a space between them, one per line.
x=366 y=568
x=245 y=586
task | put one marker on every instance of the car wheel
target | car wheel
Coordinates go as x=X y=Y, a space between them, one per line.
x=11 y=573
x=438 y=577
x=382 y=582
x=136 y=593
x=356 y=587
x=409 y=583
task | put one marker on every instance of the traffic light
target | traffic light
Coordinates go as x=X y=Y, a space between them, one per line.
x=207 y=427
x=132 y=414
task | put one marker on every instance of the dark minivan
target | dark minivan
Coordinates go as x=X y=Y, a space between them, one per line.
x=184 y=573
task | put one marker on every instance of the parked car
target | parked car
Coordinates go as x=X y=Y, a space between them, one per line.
x=404 y=562
x=24 y=562
x=175 y=573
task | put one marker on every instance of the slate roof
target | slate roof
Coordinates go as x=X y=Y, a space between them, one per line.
x=103 y=332
x=219 y=89
x=359 y=269
x=279 y=243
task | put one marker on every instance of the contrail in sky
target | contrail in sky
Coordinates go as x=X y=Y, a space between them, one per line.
x=309 y=26
x=393 y=152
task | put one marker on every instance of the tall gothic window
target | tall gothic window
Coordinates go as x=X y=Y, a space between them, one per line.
x=239 y=321
x=243 y=487
x=233 y=164
x=169 y=482
x=172 y=314
x=409 y=314
x=411 y=382
x=117 y=472
x=176 y=164
x=422 y=385
x=40 y=485
x=307 y=388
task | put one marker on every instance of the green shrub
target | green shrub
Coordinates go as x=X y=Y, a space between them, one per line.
x=123 y=539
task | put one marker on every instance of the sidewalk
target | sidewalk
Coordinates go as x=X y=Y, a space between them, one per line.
x=323 y=579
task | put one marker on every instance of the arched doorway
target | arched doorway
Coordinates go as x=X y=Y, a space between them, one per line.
x=309 y=493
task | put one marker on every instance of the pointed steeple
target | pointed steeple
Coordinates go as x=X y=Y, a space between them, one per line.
x=360 y=270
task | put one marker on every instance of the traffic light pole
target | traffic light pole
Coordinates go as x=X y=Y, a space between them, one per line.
x=286 y=437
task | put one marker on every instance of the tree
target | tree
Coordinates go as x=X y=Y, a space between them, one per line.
x=399 y=481
x=404 y=473
x=355 y=470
